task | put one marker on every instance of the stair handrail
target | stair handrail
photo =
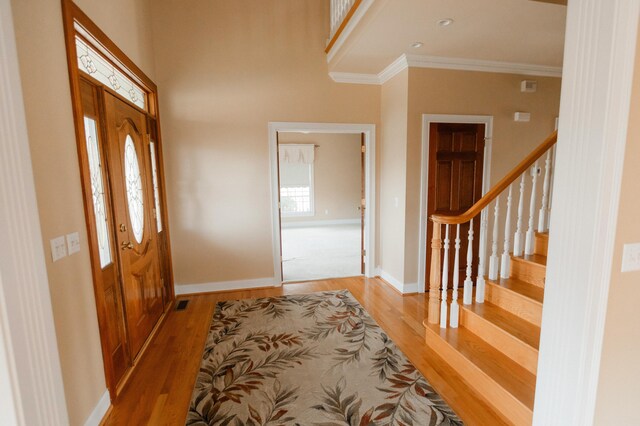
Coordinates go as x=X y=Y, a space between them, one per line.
x=439 y=269
x=504 y=183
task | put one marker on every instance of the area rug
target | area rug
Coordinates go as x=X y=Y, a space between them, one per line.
x=312 y=359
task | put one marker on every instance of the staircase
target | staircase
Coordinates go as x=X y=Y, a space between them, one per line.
x=492 y=341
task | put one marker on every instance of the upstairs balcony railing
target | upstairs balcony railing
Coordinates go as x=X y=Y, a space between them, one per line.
x=341 y=12
x=444 y=304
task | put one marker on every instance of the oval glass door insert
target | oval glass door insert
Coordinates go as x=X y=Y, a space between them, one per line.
x=133 y=182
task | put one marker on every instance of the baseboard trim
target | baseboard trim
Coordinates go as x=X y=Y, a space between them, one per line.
x=214 y=287
x=97 y=415
x=400 y=287
x=308 y=223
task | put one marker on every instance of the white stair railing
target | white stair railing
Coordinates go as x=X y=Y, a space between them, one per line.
x=339 y=11
x=447 y=312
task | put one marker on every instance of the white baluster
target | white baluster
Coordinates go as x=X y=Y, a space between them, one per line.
x=528 y=245
x=445 y=280
x=543 y=216
x=480 y=283
x=455 y=309
x=493 y=260
x=517 y=239
x=467 y=294
x=506 y=260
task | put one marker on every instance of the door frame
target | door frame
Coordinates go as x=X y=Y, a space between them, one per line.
x=369 y=131
x=427 y=120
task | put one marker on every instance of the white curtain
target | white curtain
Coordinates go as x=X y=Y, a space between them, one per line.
x=297 y=153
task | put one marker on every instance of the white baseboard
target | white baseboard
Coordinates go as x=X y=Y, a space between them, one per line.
x=225 y=286
x=99 y=411
x=401 y=287
x=307 y=223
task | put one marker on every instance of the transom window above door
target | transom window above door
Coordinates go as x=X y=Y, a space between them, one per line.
x=97 y=66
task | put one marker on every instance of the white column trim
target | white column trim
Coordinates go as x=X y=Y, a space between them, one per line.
x=427 y=119
x=598 y=70
x=369 y=131
x=28 y=339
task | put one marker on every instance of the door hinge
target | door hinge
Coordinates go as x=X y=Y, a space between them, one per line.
x=364 y=253
x=364 y=148
x=363 y=202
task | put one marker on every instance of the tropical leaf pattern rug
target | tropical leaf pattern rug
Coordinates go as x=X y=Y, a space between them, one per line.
x=312 y=359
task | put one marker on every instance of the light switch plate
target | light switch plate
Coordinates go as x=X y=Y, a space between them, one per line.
x=73 y=243
x=58 y=248
x=631 y=257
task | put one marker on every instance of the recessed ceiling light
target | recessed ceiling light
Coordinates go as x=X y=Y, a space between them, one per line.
x=445 y=22
x=417 y=44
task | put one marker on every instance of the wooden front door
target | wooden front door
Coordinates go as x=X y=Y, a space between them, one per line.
x=131 y=181
x=456 y=156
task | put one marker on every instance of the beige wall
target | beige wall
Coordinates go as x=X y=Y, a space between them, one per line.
x=43 y=67
x=337 y=178
x=434 y=91
x=393 y=152
x=619 y=385
x=225 y=69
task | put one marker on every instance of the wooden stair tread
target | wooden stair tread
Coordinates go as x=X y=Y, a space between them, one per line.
x=535 y=259
x=512 y=324
x=509 y=375
x=521 y=287
x=542 y=234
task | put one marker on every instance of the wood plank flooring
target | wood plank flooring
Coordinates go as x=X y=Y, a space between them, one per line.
x=159 y=391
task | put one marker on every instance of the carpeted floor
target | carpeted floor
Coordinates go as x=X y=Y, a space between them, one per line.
x=314 y=359
x=318 y=252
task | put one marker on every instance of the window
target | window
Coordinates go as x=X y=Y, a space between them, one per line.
x=156 y=189
x=296 y=180
x=98 y=67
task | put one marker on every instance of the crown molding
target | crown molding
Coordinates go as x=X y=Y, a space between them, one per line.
x=354 y=78
x=463 y=64
x=405 y=61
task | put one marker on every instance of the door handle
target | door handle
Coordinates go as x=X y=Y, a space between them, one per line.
x=126 y=245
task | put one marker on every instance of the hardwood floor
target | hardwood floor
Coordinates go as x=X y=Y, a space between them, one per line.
x=159 y=391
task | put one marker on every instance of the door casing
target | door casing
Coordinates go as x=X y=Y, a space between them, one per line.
x=369 y=131
x=427 y=119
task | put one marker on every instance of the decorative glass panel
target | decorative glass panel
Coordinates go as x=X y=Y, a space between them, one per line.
x=156 y=189
x=97 y=191
x=98 y=67
x=134 y=189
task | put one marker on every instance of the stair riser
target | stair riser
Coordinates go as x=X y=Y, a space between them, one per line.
x=515 y=303
x=541 y=245
x=506 y=343
x=492 y=392
x=528 y=272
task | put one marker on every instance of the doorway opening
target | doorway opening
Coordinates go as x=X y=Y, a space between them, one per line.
x=322 y=196
x=456 y=161
x=322 y=200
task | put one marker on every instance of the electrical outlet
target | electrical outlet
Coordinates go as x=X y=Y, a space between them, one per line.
x=58 y=248
x=631 y=257
x=73 y=243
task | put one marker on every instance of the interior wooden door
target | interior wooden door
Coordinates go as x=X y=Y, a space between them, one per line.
x=456 y=157
x=362 y=199
x=132 y=187
x=101 y=234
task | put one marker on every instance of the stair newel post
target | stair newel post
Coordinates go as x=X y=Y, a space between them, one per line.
x=543 y=216
x=482 y=258
x=445 y=279
x=467 y=294
x=517 y=238
x=529 y=241
x=493 y=260
x=455 y=309
x=506 y=260
x=435 y=275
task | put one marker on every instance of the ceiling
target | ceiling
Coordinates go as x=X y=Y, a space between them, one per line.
x=511 y=31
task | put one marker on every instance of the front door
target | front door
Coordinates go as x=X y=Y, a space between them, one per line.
x=456 y=156
x=130 y=173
